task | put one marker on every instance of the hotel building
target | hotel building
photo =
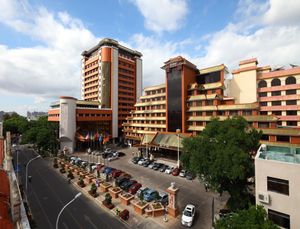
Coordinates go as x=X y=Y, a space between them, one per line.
x=111 y=84
x=268 y=99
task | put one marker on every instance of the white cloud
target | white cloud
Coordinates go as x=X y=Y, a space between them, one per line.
x=162 y=15
x=52 y=68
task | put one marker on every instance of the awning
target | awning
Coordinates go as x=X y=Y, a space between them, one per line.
x=147 y=139
x=169 y=140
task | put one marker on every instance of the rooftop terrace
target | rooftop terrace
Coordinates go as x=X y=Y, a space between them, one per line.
x=279 y=153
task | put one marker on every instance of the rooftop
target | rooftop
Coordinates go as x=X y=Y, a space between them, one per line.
x=279 y=153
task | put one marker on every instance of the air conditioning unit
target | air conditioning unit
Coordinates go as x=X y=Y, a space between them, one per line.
x=264 y=198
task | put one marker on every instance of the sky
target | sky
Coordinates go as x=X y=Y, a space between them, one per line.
x=41 y=41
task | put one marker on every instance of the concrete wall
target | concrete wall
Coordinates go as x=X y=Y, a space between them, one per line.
x=139 y=78
x=243 y=87
x=114 y=91
x=280 y=202
x=67 y=123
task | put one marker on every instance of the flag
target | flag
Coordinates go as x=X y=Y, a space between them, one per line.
x=96 y=136
x=106 y=139
x=87 y=137
x=92 y=137
x=100 y=138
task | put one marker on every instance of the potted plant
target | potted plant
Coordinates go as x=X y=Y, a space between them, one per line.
x=107 y=201
x=93 y=190
x=81 y=182
x=124 y=214
x=62 y=170
x=70 y=175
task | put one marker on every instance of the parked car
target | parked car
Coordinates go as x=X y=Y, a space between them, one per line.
x=150 y=166
x=176 y=171
x=182 y=173
x=116 y=173
x=157 y=166
x=188 y=215
x=108 y=170
x=163 y=168
x=113 y=157
x=107 y=150
x=121 y=179
x=146 y=163
x=134 y=188
x=151 y=195
x=126 y=185
x=141 y=192
x=190 y=176
x=163 y=198
x=169 y=169
x=135 y=160
x=141 y=161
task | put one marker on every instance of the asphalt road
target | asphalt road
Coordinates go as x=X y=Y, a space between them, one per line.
x=48 y=192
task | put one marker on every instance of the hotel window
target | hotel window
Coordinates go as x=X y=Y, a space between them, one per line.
x=291 y=102
x=291 y=123
x=209 y=113
x=276 y=103
x=247 y=112
x=221 y=113
x=290 y=80
x=291 y=92
x=262 y=84
x=263 y=104
x=263 y=112
x=265 y=137
x=263 y=94
x=275 y=93
x=281 y=219
x=209 y=102
x=291 y=112
x=278 y=185
x=281 y=138
x=276 y=112
x=275 y=82
x=233 y=113
x=263 y=125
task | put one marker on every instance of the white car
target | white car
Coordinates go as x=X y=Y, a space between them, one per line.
x=182 y=173
x=140 y=162
x=169 y=170
x=112 y=158
x=188 y=215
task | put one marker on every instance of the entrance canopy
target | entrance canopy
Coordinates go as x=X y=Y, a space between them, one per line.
x=169 y=140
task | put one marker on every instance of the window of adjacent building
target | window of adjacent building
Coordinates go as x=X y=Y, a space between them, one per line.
x=290 y=80
x=281 y=219
x=263 y=125
x=275 y=93
x=209 y=102
x=275 y=82
x=276 y=112
x=276 y=103
x=263 y=94
x=278 y=185
x=247 y=112
x=291 y=123
x=282 y=138
x=233 y=113
x=262 y=84
x=263 y=104
x=291 y=92
x=291 y=102
x=263 y=112
x=220 y=112
x=291 y=112
x=209 y=113
x=198 y=113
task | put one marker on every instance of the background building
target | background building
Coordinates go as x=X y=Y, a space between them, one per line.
x=111 y=85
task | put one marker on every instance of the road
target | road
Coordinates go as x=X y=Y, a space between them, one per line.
x=189 y=191
x=48 y=192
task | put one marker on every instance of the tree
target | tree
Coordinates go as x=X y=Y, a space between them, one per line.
x=222 y=157
x=254 y=217
x=15 y=123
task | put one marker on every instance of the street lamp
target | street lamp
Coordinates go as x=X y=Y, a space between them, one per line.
x=177 y=133
x=75 y=197
x=27 y=169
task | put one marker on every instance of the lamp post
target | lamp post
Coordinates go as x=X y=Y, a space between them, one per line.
x=27 y=169
x=178 y=156
x=57 y=219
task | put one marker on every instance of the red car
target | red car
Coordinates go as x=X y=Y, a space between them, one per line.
x=176 y=171
x=134 y=188
x=116 y=173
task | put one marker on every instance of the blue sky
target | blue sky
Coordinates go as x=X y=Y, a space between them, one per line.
x=41 y=41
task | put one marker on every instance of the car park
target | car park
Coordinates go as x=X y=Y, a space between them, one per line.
x=134 y=188
x=188 y=215
x=126 y=185
x=150 y=195
x=182 y=173
x=190 y=176
x=176 y=171
x=169 y=169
